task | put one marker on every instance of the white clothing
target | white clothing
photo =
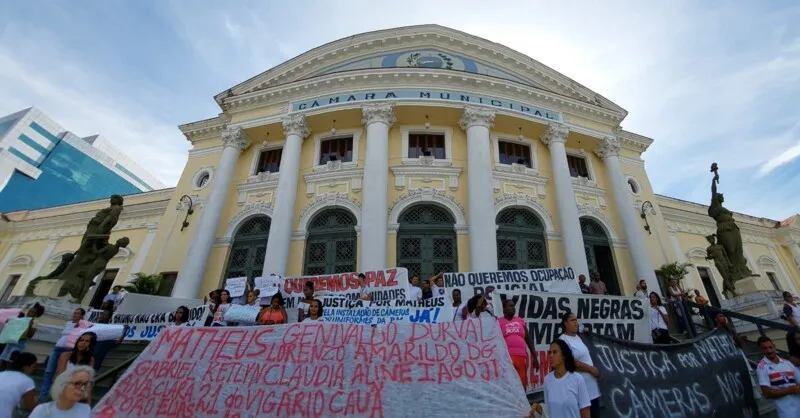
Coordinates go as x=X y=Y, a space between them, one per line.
x=304 y=306
x=640 y=294
x=458 y=311
x=65 y=334
x=13 y=385
x=50 y=410
x=365 y=291
x=780 y=375
x=565 y=397
x=220 y=314
x=437 y=291
x=415 y=293
x=183 y=324
x=674 y=293
x=581 y=353
x=308 y=319
x=656 y=320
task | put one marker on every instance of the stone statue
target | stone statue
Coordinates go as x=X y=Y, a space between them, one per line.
x=717 y=253
x=728 y=236
x=77 y=271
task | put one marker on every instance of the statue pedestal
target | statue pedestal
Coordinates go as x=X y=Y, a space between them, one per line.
x=752 y=284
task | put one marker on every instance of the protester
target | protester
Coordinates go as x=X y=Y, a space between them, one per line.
x=565 y=393
x=251 y=297
x=102 y=348
x=597 y=287
x=69 y=389
x=108 y=305
x=366 y=291
x=221 y=304
x=778 y=380
x=459 y=308
x=181 y=317
x=114 y=296
x=274 y=314
x=582 y=283
x=793 y=345
x=16 y=386
x=518 y=341
x=477 y=305
x=791 y=312
x=314 y=312
x=305 y=303
x=81 y=354
x=415 y=293
x=437 y=285
x=641 y=290
x=583 y=360
x=722 y=322
x=427 y=292
x=658 y=320
x=35 y=312
x=60 y=348
x=676 y=296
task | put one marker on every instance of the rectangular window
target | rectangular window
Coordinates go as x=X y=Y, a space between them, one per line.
x=12 y=283
x=269 y=161
x=167 y=283
x=774 y=281
x=336 y=149
x=577 y=166
x=426 y=144
x=514 y=153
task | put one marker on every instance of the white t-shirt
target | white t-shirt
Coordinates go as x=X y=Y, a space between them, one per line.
x=365 y=291
x=65 y=333
x=437 y=291
x=49 y=410
x=13 y=385
x=640 y=294
x=304 y=306
x=415 y=293
x=581 y=353
x=308 y=319
x=656 y=320
x=458 y=311
x=780 y=375
x=565 y=397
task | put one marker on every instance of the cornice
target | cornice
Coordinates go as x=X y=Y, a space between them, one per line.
x=205 y=151
x=634 y=142
x=685 y=221
x=204 y=129
x=759 y=222
x=385 y=41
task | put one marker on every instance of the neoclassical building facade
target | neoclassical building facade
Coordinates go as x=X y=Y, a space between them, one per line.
x=421 y=147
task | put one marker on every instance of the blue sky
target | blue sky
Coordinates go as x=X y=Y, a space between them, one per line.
x=708 y=81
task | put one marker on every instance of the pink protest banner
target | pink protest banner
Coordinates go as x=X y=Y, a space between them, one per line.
x=320 y=369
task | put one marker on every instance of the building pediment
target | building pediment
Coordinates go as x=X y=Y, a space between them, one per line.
x=424 y=47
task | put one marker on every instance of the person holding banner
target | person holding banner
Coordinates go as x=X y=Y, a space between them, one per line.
x=36 y=311
x=274 y=314
x=583 y=360
x=81 y=354
x=181 y=317
x=60 y=348
x=478 y=305
x=102 y=348
x=366 y=291
x=314 y=312
x=305 y=303
x=518 y=341
x=415 y=293
x=221 y=304
x=659 y=320
x=459 y=308
x=565 y=393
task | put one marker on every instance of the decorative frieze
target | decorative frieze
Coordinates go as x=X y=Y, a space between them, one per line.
x=509 y=180
x=406 y=176
x=334 y=177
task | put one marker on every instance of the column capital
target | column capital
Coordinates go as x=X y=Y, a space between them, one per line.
x=477 y=116
x=235 y=138
x=378 y=113
x=555 y=132
x=608 y=147
x=295 y=125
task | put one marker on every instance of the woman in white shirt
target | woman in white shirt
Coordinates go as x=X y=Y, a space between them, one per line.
x=67 y=392
x=565 y=394
x=477 y=305
x=314 y=312
x=658 y=320
x=366 y=291
x=583 y=360
x=305 y=303
x=16 y=385
x=181 y=317
x=222 y=304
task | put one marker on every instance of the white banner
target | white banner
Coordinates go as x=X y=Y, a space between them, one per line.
x=560 y=280
x=146 y=327
x=267 y=286
x=386 y=285
x=322 y=370
x=236 y=286
x=428 y=311
x=626 y=318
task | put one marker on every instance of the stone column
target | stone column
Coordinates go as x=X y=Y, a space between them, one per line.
x=608 y=150
x=378 y=118
x=794 y=248
x=141 y=254
x=571 y=237
x=280 y=233
x=476 y=122
x=12 y=249
x=190 y=276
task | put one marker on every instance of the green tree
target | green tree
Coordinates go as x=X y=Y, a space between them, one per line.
x=675 y=270
x=145 y=284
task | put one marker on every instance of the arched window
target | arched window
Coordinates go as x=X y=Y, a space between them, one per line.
x=521 y=242
x=599 y=255
x=249 y=247
x=331 y=243
x=426 y=241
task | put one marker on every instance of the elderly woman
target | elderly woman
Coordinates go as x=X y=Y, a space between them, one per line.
x=67 y=392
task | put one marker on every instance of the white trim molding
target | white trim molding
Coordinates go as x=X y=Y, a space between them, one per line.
x=581 y=153
x=427 y=195
x=510 y=182
x=631 y=181
x=22 y=260
x=259 y=185
x=426 y=172
x=514 y=167
x=522 y=200
x=696 y=253
x=257 y=150
x=342 y=133
x=199 y=174
x=196 y=153
x=593 y=213
x=333 y=175
x=406 y=130
x=245 y=213
x=322 y=202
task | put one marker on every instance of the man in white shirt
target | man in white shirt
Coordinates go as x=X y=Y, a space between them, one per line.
x=415 y=293
x=114 y=296
x=641 y=291
x=458 y=306
x=437 y=285
x=778 y=380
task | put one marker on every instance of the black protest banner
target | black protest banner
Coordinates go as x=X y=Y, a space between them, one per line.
x=706 y=377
